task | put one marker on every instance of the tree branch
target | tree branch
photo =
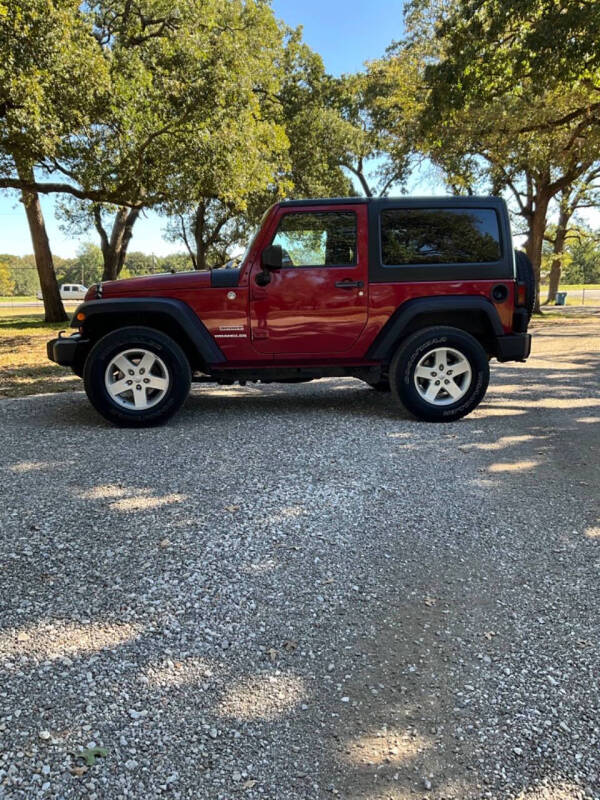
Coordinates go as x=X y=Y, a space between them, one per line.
x=186 y=242
x=96 y=195
x=556 y=123
x=360 y=175
x=97 y=212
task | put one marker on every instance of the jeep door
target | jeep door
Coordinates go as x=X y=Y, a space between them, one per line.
x=317 y=303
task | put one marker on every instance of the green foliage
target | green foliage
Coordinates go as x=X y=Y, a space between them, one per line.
x=214 y=227
x=7 y=284
x=138 y=263
x=86 y=268
x=379 y=108
x=317 y=132
x=491 y=47
x=23 y=274
x=141 y=102
x=583 y=259
x=53 y=79
x=485 y=111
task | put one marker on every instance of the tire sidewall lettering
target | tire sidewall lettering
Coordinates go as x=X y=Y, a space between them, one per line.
x=413 y=349
x=418 y=354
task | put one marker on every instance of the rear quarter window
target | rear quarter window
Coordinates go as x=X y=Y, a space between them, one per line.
x=439 y=236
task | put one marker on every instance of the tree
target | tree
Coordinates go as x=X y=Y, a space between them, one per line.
x=172 y=101
x=23 y=273
x=211 y=232
x=380 y=107
x=307 y=107
x=492 y=46
x=214 y=226
x=584 y=193
x=7 y=284
x=189 y=110
x=497 y=133
x=583 y=249
x=86 y=268
x=78 y=217
x=48 y=85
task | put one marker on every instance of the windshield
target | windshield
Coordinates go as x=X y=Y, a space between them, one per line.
x=253 y=237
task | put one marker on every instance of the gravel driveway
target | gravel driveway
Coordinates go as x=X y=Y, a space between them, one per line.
x=294 y=592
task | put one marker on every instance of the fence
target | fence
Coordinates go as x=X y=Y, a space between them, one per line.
x=578 y=295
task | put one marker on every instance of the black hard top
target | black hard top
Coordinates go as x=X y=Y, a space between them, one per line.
x=405 y=200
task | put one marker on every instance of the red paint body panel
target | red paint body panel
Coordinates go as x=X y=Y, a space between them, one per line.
x=158 y=285
x=301 y=317
x=302 y=311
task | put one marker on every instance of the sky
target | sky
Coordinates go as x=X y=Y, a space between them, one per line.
x=345 y=32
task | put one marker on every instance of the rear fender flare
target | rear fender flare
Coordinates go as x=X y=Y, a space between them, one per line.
x=388 y=337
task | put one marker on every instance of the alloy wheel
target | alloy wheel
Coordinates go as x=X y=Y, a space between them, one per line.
x=137 y=379
x=443 y=376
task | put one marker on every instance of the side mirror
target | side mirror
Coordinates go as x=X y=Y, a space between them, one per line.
x=272 y=257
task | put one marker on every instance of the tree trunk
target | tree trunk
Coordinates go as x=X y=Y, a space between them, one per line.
x=535 y=241
x=53 y=305
x=114 y=249
x=558 y=250
x=201 y=247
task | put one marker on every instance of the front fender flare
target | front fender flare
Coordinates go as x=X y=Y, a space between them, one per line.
x=177 y=311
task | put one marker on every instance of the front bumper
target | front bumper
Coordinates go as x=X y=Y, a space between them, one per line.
x=67 y=350
x=513 y=348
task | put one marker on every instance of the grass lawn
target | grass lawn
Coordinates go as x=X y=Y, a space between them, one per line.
x=574 y=287
x=575 y=296
x=24 y=366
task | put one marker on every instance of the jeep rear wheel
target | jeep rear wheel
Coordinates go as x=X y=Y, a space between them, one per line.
x=440 y=374
x=137 y=377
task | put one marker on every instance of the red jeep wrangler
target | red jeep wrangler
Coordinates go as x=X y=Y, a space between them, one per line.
x=411 y=295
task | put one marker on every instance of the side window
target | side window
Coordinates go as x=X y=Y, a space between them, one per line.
x=439 y=236
x=320 y=239
x=66 y=288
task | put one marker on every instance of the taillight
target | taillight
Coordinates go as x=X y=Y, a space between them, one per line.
x=521 y=294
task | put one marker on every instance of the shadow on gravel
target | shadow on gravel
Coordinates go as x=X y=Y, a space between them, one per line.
x=483 y=685
x=308 y=619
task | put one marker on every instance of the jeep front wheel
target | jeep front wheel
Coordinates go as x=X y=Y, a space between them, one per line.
x=136 y=377
x=440 y=374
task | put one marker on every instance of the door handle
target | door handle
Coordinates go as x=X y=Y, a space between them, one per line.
x=349 y=284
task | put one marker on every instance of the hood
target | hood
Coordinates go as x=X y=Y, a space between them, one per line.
x=161 y=283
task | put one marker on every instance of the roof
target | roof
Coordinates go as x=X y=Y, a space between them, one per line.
x=404 y=199
x=325 y=201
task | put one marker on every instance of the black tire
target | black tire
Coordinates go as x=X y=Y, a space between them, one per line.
x=414 y=350
x=78 y=367
x=526 y=275
x=166 y=349
x=380 y=386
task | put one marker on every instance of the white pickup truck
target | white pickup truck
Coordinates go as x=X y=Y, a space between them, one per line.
x=70 y=291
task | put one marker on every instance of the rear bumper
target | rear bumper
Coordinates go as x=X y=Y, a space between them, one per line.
x=513 y=348
x=67 y=350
